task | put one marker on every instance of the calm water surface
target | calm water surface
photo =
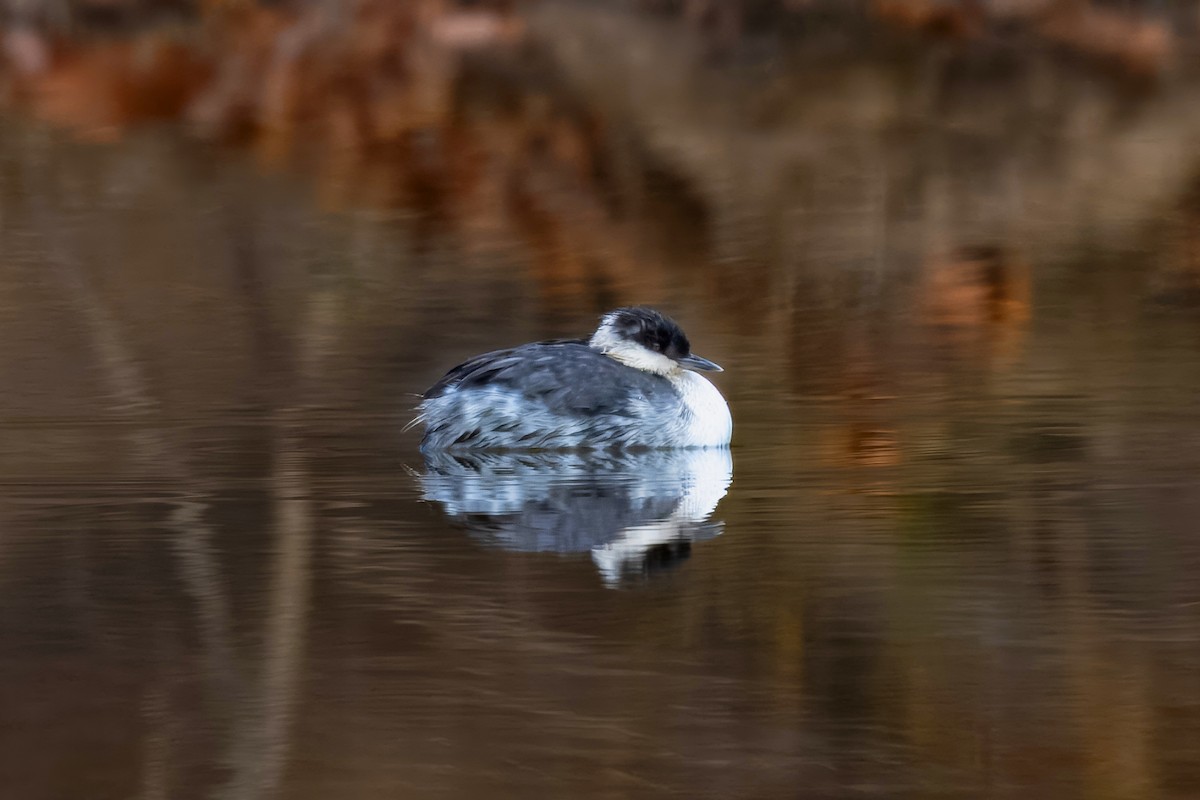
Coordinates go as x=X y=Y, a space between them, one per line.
x=952 y=553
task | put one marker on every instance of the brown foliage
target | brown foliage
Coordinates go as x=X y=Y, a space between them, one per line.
x=978 y=296
x=380 y=102
x=101 y=90
x=1142 y=47
x=957 y=20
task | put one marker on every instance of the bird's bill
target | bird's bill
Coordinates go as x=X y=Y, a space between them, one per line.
x=696 y=362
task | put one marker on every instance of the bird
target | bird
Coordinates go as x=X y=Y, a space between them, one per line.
x=632 y=384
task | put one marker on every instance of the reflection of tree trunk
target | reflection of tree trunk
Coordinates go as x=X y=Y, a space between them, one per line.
x=131 y=395
x=260 y=749
x=253 y=718
x=156 y=756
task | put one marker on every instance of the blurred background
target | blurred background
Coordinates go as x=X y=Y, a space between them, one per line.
x=947 y=252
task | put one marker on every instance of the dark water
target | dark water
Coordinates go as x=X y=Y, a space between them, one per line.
x=953 y=553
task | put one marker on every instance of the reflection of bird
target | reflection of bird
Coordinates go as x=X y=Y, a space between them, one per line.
x=629 y=385
x=635 y=512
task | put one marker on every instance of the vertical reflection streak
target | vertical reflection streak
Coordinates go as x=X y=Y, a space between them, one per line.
x=261 y=745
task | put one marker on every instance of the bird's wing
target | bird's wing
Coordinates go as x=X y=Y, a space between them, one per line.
x=566 y=376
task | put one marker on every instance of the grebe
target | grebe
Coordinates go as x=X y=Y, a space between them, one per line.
x=629 y=385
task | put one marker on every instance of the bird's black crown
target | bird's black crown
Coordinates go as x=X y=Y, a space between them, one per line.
x=649 y=328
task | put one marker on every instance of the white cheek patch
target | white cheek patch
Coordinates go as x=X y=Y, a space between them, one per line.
x=638 y=357
x=606 y=340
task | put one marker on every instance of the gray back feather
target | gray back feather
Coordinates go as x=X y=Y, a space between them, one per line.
x=549 y=395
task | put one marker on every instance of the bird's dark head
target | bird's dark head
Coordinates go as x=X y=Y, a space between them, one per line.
x=648 y=340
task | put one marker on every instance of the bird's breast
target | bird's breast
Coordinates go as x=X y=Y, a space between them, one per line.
x=710 y=423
